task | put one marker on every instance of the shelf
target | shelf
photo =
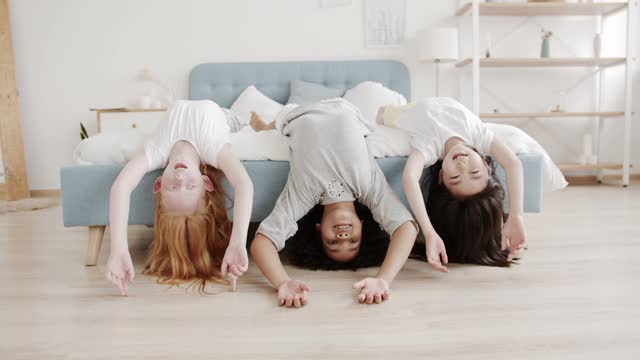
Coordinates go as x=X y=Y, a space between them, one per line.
x=111 y=110
x=579 y=167
x=543 y=62
x=544 y=9
x=605 y=114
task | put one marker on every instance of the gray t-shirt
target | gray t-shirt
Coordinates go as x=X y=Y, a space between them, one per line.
x=330 y=163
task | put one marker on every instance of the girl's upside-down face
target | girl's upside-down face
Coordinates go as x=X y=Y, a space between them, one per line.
x=341 y=233
x=464 y=172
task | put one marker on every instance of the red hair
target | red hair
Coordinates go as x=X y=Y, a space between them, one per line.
x=190 y=248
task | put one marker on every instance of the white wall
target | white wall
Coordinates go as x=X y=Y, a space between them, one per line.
x=75 y=54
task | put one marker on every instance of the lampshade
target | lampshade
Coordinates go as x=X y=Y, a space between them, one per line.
x=438 y=44
x=145 y=75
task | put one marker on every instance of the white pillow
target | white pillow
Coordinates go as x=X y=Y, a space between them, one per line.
x=261 y=145
x=370 y=96
x=520 y=142
x=387 y=141
x=115 y=147
x=251 y=99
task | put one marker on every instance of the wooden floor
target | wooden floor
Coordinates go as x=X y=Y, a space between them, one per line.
x=576 y=295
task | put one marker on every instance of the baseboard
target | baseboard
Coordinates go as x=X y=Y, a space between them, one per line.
x=592 y=179
x=50 y=193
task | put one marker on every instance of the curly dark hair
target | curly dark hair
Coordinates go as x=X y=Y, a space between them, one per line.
x=470 y=227
x=305 y=248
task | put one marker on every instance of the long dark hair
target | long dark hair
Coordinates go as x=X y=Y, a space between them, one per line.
x=305 y=248
x=470 y=227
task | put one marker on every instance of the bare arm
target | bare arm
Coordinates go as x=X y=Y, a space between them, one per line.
x=120 y=198
x=236 y=261
x=436 y=252
x=399 y=249
x=120 y=270
x=513 y=167
x=377 y=289
x=513 y=232
x=291 y=293
x=265 y=255
x=411 y=182
x=243 y=193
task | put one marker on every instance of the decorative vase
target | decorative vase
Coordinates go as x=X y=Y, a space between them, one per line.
x=145 y=102
x=545 y=51
x=597 y=45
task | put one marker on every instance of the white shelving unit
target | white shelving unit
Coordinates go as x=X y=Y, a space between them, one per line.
x=476 y=9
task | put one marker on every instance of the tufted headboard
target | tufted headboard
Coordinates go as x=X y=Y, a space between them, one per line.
x=223 y=82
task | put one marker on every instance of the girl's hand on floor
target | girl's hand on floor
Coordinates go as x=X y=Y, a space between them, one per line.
x=120 y=271
x=514 y=236
x=235 y=262
x=372 y=290
x=293 y=293
x=436 y=251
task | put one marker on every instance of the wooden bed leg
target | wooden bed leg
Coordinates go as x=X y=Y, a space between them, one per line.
x=96 y=233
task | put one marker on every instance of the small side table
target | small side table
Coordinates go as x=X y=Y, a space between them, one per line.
x=101 y=111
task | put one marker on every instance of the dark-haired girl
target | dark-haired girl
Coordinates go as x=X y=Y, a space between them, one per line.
x=462 y=221
x=331 y=167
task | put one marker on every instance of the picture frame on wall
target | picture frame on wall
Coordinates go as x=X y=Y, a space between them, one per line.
x=384 y=22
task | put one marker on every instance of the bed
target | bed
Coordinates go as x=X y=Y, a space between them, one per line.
x=85 y=188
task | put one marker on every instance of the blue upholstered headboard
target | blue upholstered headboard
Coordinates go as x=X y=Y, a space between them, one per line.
x=223 y=82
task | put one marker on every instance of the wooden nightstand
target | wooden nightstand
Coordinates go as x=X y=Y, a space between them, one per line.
x=123 y=118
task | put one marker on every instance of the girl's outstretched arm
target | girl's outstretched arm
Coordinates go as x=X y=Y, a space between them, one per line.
x=119 y=266
x=377 y=289
x=513 y=231
x=291 y=293
x=436 y=252
x=236 y=261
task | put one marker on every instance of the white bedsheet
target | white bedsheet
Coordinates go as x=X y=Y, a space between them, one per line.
x=120 y=147
x=271 y=145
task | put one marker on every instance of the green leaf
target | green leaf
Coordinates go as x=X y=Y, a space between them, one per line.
x=83 y=131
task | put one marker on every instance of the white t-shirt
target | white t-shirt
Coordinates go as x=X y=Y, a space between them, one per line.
x=202 y=123
x=433 y=121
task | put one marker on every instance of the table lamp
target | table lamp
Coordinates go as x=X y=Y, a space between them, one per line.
x=439 y=45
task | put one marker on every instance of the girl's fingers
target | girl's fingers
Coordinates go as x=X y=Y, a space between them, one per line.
x=504 y=243
x=445 y=259
x=289 y=301
x=361 y=298
x=120 y=286
x=223 y=268
x=360 y=284
x=296 y=302
x=115 y=280
x=304 y=286
x=437 y=265
x=233 y=280
x=385 y=295
x=378 y=298
x=235 y=271
x=280 y=301
x=369 y=299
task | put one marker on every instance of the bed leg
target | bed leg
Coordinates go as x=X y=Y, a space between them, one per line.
x=96 y=233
